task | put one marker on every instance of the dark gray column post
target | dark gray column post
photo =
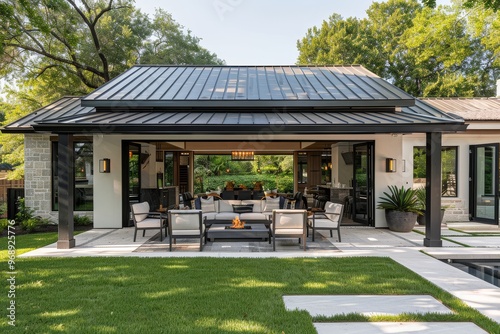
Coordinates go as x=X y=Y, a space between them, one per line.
x=65 y=170
x=433 y=190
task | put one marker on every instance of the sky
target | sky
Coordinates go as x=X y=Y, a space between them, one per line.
x=255 y=32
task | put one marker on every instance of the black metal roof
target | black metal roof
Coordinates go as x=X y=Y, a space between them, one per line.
x=247 y=86
x=66 y=115
x=241 y=99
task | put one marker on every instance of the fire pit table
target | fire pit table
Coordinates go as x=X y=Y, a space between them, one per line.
x=251 y=231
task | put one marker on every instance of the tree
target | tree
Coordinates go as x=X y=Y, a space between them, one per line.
x=90 y=41
x=52 y=48
x=486 y=4
x=447 y=51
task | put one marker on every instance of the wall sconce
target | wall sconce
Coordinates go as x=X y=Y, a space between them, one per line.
x=390 y=165
x=104 y=165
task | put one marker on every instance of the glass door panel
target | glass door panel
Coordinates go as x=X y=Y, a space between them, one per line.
x=484 y=183
x=363 y=184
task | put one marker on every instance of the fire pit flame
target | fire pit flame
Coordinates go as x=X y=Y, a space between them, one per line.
x=237 y=223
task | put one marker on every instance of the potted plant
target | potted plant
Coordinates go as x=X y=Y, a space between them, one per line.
x=401 y=208
x=421 y=196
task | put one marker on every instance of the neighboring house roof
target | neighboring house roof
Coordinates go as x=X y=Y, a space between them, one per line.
x=6 y=166
x=248 y=86
x=470 y=109
x=241 y=99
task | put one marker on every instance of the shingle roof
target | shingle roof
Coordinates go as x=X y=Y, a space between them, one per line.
x=470 y=109
x=247 y=86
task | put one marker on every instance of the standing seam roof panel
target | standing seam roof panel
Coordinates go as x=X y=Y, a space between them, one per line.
x=349 y=81
x=263 y=90
x=304 y=77
x=242 y=86
x=220 y=86
x=173 y=89
x=211 y=82
x=108 y=85
x=165 y=85
x=336 y=85
x=147 y=82
x=197 y=90
x=150 y=87
x=231 y=84
x=284 y=84
x=118 y=91
x=189 y=85
x=274 y=86
x=135 y=82
x=297 y=89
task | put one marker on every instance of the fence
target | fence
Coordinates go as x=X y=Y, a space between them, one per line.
x=9 y=196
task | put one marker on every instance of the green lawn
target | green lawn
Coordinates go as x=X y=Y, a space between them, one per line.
x=199 y=295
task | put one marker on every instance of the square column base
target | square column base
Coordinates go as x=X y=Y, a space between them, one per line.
x=65 y=244
x=433 y=243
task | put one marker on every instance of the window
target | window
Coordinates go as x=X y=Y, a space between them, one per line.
x=83 y=177
x=448 y=169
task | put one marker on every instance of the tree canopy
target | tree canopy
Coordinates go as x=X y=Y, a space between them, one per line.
x=448 y=51
x=52 y=48
x=487 y=4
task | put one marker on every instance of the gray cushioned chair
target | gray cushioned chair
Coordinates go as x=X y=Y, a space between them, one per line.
x=145 y=220
x=185 y=224
x=289 y=223
x=330 y=219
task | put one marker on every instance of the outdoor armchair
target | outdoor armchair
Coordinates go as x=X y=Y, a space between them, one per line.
x=185 y=224
x=289 y=223
x=330 y=219
x=145 y=220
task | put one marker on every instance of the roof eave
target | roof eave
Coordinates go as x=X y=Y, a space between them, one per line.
x=249 y=103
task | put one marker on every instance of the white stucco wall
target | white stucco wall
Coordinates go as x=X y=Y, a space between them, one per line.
x=107 y=186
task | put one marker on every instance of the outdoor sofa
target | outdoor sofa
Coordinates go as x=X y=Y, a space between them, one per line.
x=219 y=211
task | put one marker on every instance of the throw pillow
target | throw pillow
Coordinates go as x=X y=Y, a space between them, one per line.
x=271 y=204
x=242 y=208
x=207 y=204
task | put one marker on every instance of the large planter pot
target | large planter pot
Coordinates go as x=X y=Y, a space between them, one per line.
x=399 y=221
x=421 y=218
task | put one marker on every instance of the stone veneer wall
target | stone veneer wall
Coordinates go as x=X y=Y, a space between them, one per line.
x=37 y=175
x=456 y=210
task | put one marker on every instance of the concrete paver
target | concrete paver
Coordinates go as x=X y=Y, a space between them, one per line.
x=398 y=327
x=367 y=305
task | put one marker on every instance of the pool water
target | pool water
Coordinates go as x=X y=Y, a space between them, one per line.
x=487 y=270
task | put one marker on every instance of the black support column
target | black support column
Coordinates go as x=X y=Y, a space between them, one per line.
x=66 y=191
x=433 y=190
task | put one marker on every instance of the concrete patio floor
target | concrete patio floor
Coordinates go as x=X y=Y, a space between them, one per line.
x=405 y=248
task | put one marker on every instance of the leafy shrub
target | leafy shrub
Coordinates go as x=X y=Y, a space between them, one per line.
x=23 y=212
x=82 y=220
x=27 y=220
x=29 y=225
x=3 y=209
x=3 y=224
x=284 y=183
